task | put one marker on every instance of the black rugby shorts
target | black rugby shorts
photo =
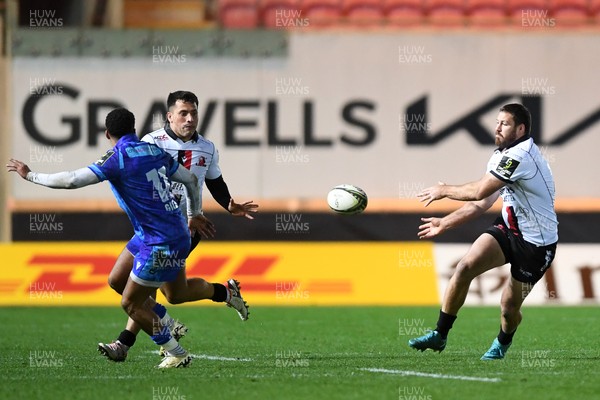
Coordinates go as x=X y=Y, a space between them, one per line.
x=528 y=262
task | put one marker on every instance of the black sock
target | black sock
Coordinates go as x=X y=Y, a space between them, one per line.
x=127 y=338
x=220 y=294
x=505 y=338
x=444 y=323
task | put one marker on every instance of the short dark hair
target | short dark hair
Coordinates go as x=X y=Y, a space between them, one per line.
x=120 y=122
x=520 y=114
x=186 y=97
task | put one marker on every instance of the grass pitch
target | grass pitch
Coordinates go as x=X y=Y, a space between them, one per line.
x=302 y=353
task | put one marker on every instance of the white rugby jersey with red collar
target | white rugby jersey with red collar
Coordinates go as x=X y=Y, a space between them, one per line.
x=198 y=154
x=528 y=197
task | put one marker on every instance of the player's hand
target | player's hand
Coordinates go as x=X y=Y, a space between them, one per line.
x=432 y=193
x=202 y=225
x=242 y=210
x=19 y=167
x=431 y=228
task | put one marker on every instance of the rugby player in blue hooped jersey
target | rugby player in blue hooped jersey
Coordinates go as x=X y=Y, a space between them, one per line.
x=140 y=175
x=184 y=144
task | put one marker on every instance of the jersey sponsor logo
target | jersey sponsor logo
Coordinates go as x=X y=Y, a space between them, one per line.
x=104 y=158
x=164 y=136
x=506 y=189
x=142 y=150
x=507 y=167
x=507 y=194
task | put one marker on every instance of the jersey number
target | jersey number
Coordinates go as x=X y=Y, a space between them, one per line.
x=160 y=182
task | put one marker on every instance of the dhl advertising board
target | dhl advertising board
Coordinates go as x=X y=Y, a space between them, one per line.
x=324 y=273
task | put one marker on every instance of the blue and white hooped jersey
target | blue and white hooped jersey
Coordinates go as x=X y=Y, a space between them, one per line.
x=139 y=175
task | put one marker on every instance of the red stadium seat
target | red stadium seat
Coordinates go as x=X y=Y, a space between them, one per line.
x=238 y=14
x=530 y=13
x=487 y=13
x=404 y=12
x=321 y=13
x=594 y=11
x=445 y=12
x=280 y=14
x=363 y=12
x=569 y=13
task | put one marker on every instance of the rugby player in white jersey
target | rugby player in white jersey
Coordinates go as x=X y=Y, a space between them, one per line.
x=524 y=236
x=180 y=139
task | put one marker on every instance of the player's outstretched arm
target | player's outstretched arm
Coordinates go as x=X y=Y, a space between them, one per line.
x=220 y=192
x=473 y=191
x=242 y=210
x=433 y=227
x=61 y=180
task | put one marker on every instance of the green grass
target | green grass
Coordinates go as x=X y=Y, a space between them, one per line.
x=300 y=353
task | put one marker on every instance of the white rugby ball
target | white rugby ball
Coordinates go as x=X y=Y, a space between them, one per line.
x=347 y=199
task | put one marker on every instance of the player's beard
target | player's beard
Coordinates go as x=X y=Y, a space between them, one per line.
x=498 y=141
x=503 y=142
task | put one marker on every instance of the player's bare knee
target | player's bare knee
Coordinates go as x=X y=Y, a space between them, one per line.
x=464 y=271
x=115 y=285
x=127 y=305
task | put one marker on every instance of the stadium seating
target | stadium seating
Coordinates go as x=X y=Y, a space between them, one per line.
x=239 y=14
x=569 y=13
x=529 y=13
x=486 y=13
x=445 y=12
x=363 y=12
x=594 y=12
x=290 y=14
x=404 y=12
x=321 y=13
x=280 y=14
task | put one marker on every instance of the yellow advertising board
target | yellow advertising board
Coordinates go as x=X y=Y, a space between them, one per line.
x=320 y=273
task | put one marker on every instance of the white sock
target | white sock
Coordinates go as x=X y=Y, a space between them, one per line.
x=173 y=348
x=167 y=321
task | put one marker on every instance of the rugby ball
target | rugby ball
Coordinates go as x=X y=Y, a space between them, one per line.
x=347 y=199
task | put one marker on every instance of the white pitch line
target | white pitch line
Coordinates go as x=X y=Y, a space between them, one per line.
x=427 y=375
x=219 y=358
x=209 y=357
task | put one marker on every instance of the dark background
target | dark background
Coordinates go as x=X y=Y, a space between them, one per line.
x=114 y=226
